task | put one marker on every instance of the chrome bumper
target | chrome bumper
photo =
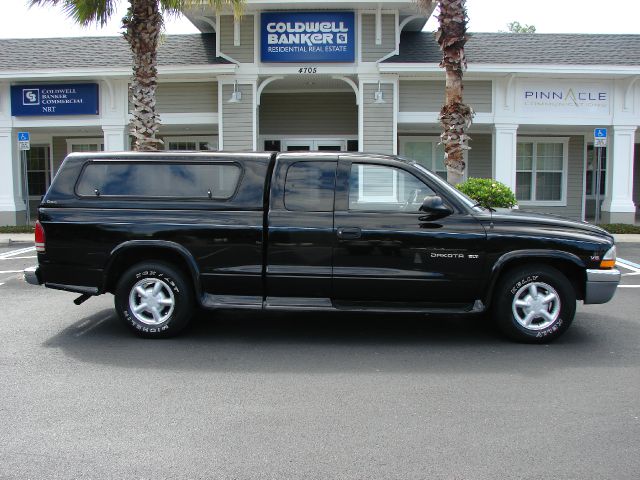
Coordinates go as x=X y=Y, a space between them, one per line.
x=32 y=275
x=601 y=285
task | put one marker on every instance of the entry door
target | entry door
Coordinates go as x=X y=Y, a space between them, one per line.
x=386 y=251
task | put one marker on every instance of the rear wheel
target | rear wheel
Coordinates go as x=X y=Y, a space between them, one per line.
x=154 y=299
x=534 y=304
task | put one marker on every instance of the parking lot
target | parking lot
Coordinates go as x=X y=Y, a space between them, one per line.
x=245 y=395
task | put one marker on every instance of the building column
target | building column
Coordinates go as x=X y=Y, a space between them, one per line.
x=12 y=206
x=618 y=206
x=505 y=137
x=116 y=138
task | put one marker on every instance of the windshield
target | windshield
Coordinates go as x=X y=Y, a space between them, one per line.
x=447 y=186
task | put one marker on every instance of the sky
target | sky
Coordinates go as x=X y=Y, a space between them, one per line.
x=548 y=16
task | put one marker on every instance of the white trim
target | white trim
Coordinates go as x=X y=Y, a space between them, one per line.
x=396 y=50
x=236 y=32
x=584 y=179
x=264 y=83
x=254 y=135
x=220 y=117
x=544 y=69
x=396 y=106
x=361 y=115
x=378 y=24
x=349 y=82
x=359 y=37
x=565 y=170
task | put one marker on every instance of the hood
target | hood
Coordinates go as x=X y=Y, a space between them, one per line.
x=543 y=221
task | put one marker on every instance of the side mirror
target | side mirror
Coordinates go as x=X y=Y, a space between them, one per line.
x=434 y=209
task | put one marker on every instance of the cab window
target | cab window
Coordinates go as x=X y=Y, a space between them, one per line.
x=383 y=188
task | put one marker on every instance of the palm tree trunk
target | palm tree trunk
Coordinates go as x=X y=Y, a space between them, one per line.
x=455 y=116
x=143 y=25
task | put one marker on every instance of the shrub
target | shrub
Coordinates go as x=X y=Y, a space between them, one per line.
x=620 y=228
x=488 y=193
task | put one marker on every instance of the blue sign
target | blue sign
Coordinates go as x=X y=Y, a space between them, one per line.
x=307 y=37
x=599 y=133
x=23 y=136
x=49 y=100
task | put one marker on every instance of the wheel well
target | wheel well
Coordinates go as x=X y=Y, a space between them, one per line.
x=574 y=273
x=133 y=255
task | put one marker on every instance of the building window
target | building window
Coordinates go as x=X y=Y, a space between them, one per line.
x=85 y=145
x=541 y=171
x=426 y=151
x=197 y=143
x=592 y=166
x=38 y=170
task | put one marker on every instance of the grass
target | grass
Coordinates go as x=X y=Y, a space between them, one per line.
x=16 y=229
x=620 y=228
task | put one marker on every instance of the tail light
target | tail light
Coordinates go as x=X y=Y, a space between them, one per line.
x=40 y=238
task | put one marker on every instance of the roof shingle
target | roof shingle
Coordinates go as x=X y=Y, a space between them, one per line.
x=102 y=52
x=527 y=48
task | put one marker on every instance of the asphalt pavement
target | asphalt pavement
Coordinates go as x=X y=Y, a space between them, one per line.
x=246 y=395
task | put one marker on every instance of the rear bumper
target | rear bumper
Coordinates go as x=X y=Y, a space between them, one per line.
x=32 y=276
x=601 y=285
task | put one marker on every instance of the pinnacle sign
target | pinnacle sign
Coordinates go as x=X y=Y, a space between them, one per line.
x=307 y=37
x=564 y=97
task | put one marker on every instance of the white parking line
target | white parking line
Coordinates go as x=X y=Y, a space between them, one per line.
x=18 y=258
x=1 y=284
x=628 y=286
x=92 y=326
x=16 y=252
x=11 y=271
x=626 y=264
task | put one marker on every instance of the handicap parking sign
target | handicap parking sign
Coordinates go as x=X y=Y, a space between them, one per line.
x=23 y=136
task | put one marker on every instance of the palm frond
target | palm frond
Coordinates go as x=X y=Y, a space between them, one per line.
x=83 y=12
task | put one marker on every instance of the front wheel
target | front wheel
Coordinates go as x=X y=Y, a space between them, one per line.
x=534 y=304
x=154 y=299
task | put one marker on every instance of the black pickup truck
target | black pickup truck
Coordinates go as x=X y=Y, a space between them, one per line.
x=169 y=232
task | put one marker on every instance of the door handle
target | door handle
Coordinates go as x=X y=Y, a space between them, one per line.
x=349 y=233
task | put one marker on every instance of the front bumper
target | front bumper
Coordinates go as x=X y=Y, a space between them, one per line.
x=601 y=285
x=32 y=275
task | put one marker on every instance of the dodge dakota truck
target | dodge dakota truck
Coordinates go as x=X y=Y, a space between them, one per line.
x=166 y=233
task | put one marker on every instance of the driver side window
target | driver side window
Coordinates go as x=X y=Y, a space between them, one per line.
x=383 y=188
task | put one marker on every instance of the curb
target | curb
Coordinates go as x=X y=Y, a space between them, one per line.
x=626 y=237
x=15 y=238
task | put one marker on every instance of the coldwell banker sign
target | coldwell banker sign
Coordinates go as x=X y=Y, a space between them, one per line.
x=307 y=37
x=63 y=99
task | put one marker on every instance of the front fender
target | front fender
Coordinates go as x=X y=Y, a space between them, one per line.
x=531 y=255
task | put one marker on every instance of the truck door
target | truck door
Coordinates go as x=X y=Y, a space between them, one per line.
x=386 y=252
x=300 y=231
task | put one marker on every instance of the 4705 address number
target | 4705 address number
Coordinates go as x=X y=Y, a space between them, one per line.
x=308 y=70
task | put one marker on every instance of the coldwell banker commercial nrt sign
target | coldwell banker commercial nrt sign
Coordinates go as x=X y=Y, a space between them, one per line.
x=306 y=37
x=64 y=99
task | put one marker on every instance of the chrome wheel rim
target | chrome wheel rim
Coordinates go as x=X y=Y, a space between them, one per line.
x=151 y=301
x=536 y=306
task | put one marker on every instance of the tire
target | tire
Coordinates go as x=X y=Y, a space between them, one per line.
x=523 y=295
x=168 y=304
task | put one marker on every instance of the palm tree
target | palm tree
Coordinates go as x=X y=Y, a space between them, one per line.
x=142 y=26
x=455 y=117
